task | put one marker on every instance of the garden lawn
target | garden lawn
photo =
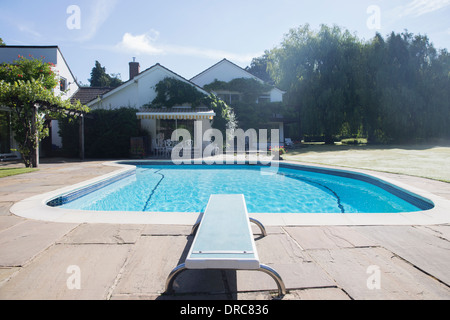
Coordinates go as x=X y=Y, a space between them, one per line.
x=6 y=172
x=431 y=162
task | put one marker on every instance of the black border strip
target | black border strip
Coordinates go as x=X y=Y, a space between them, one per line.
x=74 y=195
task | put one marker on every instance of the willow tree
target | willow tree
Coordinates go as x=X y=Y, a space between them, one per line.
x=317 y=70
x=27 y=90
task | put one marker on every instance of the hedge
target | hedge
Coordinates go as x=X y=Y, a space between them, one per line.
x=107 y=134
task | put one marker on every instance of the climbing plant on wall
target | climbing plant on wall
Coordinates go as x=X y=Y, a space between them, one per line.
x=250 y=88
x=171 y=92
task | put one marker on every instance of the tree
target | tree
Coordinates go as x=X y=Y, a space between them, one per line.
x=373 y=57
x=405 y=89
x=26 y=88
x=387 y=90
x=316 y=68
x=99 y=77
x=248 y=111
x=2 y=44
x=258 y=68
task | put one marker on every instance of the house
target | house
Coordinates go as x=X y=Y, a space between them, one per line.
x=226 y=71
x=139 y=91
x=67 y=88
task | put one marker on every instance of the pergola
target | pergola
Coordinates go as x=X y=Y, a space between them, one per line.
x=176 y=114
x=70 y=112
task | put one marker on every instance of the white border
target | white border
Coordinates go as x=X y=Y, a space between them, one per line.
x=35 y=208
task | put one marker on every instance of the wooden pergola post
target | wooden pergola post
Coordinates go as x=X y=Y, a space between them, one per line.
x=35 y=155
x=81 y=137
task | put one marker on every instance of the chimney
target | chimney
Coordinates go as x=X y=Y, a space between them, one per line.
x=134 y=68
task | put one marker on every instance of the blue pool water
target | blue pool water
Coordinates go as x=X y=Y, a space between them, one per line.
x=188 y=188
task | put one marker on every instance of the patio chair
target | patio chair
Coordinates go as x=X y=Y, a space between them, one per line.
x=224 y=240
x=168 y=147
x=189 y=144
x=158 y=149
x=289 y=142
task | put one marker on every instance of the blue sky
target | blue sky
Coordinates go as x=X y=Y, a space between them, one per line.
x=191 y=35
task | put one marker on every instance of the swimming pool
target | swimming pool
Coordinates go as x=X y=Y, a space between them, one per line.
x=290 y=189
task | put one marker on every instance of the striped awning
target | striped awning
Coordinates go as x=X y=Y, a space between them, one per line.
x=176 y=115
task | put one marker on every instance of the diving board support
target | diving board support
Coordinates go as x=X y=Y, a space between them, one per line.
x=224 y=241
x=258 y=223
x=263 y=268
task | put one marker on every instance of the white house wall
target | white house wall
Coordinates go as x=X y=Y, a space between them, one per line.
x=134 y=94
x=276 y=95
x=127 y=97
x=64 y=71
x=226 y=71
x=223 y=71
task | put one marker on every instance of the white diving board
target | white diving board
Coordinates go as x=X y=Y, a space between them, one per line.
x=224 y=240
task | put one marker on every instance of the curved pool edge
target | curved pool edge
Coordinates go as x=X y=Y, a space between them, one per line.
x=36 y=208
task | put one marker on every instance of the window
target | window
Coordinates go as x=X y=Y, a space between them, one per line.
x=62 y=84
x=167 y=127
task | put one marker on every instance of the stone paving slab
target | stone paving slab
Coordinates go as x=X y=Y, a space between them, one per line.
x=166 y=230
x=295 y=276
x=279 y=248
x=303 y=294
x=329 y=237
x=23 y=241
x=423 y=249
x=9 y=221
x=48 y=277
x=183 y=297
x=152 y=260
x=5 y=206
x=398 y=279
x=318 y=294
x=442 y=231
x=6 y=273
x=103 y=234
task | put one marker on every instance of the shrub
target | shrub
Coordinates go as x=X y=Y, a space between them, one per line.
x=107 y=134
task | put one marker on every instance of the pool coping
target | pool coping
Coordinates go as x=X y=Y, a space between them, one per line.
x=36 y=207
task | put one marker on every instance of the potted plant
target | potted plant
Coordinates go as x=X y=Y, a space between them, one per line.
x=281 y=151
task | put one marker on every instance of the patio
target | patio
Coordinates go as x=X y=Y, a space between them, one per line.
x=132 y=261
